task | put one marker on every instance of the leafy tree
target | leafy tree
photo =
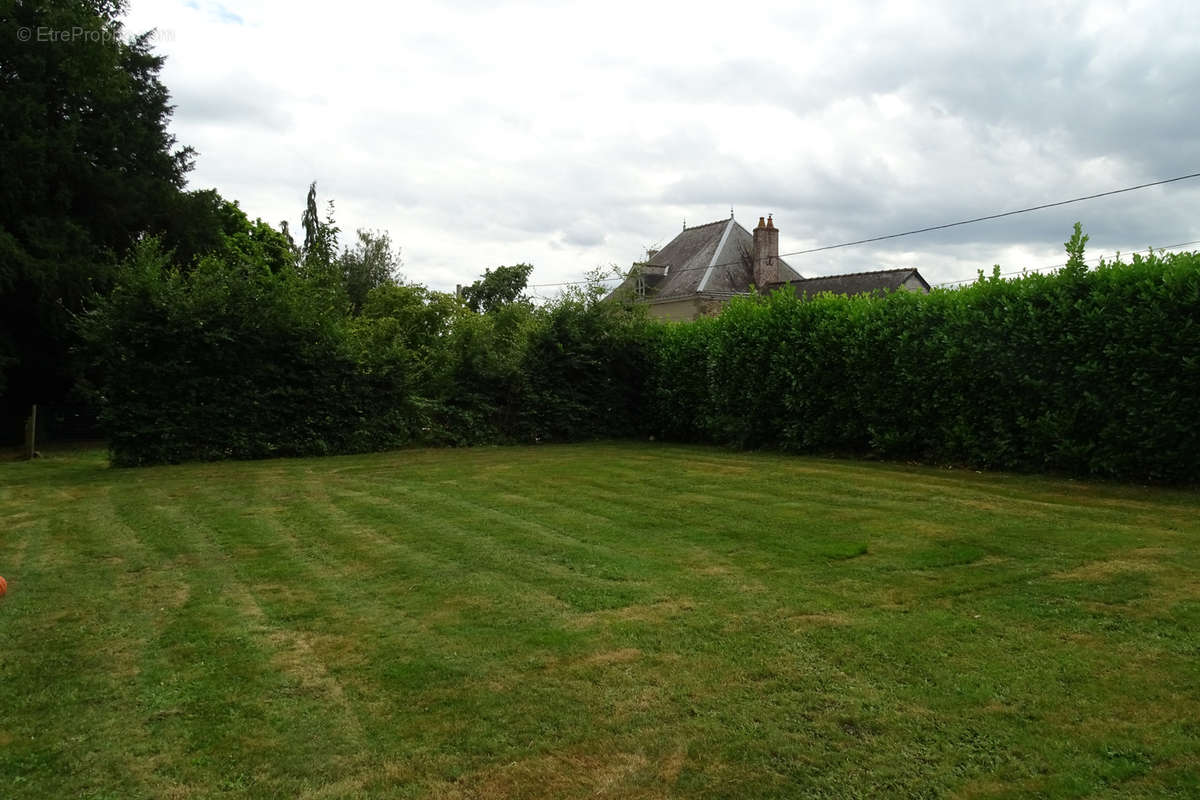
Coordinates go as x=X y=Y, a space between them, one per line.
x=422 y=316
x=286 y=230
x=199 y=223
x=202 y=223
x=88 y=166
x=370 y=264
x=345 y=278
x=595 y=288
x=262 y=242
x=497 y=288
x=1075 y=248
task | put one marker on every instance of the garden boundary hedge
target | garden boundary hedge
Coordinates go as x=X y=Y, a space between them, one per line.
x=1088 y=372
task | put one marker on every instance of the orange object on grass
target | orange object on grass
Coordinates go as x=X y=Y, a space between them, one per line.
x=3 y=586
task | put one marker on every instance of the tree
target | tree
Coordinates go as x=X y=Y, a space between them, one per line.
x=202 y=223
x=320 y=239
x=89 y=167
x=261 y=241
x=1076 y=263
x=347 y=277
x=497 y=288
x=370 y=264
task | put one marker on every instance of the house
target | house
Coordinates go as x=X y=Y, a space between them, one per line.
x=884 y=280
x=705 y=265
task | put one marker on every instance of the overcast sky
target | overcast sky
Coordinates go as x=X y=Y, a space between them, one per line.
x=576 y=135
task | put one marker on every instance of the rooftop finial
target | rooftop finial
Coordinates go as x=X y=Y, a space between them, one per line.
x=685 y=224
x=731 y=212
x=770 y=223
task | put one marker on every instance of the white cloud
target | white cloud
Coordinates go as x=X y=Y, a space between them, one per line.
x=576 y=134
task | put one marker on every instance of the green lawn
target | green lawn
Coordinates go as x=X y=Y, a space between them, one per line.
x=614 y=620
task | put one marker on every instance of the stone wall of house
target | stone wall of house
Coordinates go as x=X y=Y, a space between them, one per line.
x=688 y=308
x=682 y=310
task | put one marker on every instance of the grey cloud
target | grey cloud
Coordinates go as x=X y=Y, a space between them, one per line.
x=235 y=99
x=1007 y=106
x=585 y=233
x=736 y=83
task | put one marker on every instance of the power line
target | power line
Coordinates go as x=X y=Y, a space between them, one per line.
x=995 y=216
x=920 y=230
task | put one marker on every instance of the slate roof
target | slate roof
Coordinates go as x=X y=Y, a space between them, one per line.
x=887 y=280
x=705 y=260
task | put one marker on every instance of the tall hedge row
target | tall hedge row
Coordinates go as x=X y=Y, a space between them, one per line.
x=1090 y=372
x=226 y=363
x=1087 y=372
x=230 y=360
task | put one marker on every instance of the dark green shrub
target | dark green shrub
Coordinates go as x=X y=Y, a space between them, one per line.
x=231 y=361
x=584 y=368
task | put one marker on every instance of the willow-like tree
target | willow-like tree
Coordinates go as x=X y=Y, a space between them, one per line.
x=320 y=239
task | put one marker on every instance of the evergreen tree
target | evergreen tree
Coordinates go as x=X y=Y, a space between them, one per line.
x=88 y=168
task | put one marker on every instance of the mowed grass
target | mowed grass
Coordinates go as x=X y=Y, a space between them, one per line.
x=612 y=620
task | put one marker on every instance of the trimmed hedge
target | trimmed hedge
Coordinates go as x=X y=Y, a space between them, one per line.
x=228 y=362
x=1085 y=372
x=233 y=361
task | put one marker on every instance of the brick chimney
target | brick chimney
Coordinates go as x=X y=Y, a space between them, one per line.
x=766 y=253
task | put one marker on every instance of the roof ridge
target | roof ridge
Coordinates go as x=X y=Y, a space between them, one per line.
x=852 y=274
x=708 y=224
x=716 y=254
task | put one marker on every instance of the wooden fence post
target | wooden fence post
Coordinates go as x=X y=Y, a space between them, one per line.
x=31 y=434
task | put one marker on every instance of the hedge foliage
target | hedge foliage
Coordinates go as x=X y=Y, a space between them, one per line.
x=1086 y=372
x=1090 y=372
x=232 y=360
